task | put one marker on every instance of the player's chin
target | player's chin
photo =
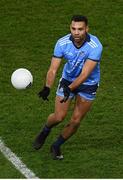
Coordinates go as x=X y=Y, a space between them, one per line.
x=77 y=40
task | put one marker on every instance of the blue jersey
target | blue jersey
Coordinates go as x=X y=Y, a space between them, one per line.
x=76 y=57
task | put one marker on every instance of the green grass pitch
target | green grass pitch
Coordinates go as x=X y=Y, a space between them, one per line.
x=28 y=33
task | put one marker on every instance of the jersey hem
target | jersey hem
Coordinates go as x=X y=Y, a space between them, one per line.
x=94 y=59
x=57 y=56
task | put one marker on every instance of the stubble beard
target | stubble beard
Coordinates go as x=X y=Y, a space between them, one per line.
x=79 y=41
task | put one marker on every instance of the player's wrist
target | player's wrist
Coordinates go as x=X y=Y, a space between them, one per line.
x=46 y=87
x=70 y=88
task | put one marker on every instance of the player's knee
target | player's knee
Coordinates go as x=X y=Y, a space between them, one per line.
x=75 y=122
x=60 y=116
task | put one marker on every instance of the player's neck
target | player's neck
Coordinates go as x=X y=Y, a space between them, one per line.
x=78 y=44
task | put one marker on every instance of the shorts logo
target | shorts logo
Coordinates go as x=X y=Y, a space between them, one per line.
x=94 y=93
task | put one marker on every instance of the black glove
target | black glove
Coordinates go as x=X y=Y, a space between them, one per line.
x=44 y=93
x=66 y=91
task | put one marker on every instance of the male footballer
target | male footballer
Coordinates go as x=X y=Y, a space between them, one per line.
x=80 y=79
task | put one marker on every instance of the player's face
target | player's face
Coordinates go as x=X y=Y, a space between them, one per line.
x=78 y=31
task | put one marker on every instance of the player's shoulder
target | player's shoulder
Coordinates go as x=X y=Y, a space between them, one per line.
x=64 y=40
x=94 y=42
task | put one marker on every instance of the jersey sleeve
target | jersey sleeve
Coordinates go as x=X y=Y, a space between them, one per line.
x=96 y=53
x=58 y=52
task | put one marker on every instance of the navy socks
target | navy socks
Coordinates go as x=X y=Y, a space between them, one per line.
x=46 y=129
x=59 y=141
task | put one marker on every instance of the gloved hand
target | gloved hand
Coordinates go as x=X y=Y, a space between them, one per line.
x=44 y=93
x=66 y=91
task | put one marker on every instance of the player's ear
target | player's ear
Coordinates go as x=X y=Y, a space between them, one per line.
x=87 y=29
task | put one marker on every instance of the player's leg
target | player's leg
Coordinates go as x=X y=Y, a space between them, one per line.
x=53 y=119
x=82 y=106
x=59 y=113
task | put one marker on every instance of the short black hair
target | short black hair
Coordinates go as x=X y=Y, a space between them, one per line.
x=79 y=18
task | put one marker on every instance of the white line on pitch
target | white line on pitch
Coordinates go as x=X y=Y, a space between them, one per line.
x=19 y=165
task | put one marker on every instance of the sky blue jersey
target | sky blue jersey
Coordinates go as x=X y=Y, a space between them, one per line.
x=76 y=57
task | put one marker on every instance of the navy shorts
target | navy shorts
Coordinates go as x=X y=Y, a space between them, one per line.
x=88 y=92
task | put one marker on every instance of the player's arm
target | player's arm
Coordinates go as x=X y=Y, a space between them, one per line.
x=93 y=58
x=86 y=71
x=51 y=74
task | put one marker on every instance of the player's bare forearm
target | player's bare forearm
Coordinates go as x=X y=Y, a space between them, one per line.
x=79 y=80
x=50 y=78
x=51 y=74
x=87 y=69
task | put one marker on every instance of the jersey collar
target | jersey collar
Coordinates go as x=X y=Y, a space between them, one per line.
x=86 y=40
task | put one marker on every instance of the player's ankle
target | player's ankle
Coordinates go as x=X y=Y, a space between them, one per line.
x=60 y=140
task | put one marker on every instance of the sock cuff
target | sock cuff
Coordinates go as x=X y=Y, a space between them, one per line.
x=46 y=128
x=62 y=138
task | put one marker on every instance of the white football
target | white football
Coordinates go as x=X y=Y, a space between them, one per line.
x=21 y=78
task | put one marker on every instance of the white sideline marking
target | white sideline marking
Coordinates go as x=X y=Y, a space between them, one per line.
x=16 y=161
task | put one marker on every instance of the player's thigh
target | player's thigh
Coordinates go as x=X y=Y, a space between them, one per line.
x=61 y=109
x=82 y=106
